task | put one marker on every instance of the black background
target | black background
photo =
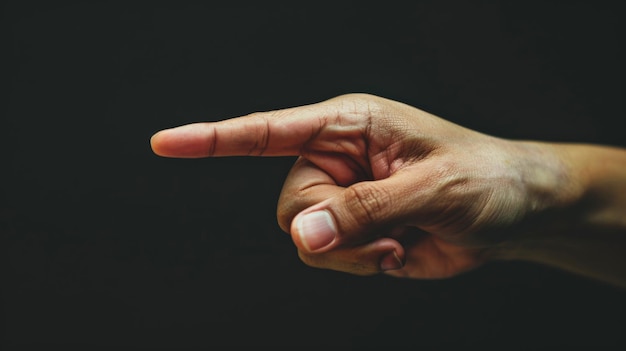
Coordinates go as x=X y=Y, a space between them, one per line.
x=105 y=244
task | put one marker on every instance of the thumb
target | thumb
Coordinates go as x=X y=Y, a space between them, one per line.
x=359 y=214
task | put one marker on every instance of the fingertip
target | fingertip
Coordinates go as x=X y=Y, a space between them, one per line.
x=393 y=256
x=177 y=142
x=391 y=261
x=155 y=143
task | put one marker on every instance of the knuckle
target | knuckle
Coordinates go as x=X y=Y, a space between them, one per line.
x=359 y=104
x=284 y=219
x=290 y=203
x=366 y=202
x=262 y=128
x=357 y=97
x=285 y=213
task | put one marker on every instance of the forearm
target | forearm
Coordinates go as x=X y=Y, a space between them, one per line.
x=603 y=176
x=583 y=227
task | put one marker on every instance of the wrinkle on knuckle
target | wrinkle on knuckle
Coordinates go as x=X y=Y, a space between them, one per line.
x=366 y=202
x=212 y=142
x=262 y=127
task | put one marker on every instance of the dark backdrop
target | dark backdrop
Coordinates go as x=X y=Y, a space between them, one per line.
x=104 y=244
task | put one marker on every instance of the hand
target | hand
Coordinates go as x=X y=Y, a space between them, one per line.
x=380 y=186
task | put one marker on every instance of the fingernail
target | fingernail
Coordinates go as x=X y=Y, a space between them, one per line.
x=390 y=262
x=316 y=229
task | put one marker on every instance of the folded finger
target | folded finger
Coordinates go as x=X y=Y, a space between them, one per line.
x=381 y=255
x=305 y=185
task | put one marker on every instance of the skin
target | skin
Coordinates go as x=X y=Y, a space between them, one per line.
x=413 y=195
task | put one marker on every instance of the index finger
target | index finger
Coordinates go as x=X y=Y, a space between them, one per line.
x=276 y=133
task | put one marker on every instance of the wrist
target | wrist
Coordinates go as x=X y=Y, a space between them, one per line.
x=552 y=181
x=577 y=210
x=549 y=203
